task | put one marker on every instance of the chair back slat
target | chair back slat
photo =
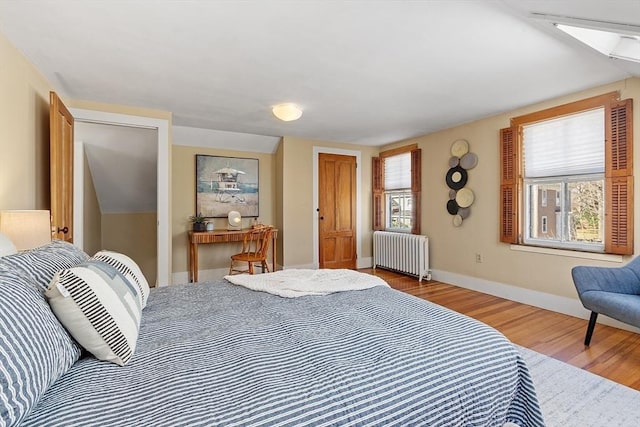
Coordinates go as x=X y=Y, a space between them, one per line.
x=256 y=241
x=255 y=244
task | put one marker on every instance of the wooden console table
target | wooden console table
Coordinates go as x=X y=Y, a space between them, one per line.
x=220 y=236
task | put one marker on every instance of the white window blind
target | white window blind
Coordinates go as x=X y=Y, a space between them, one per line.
x=570 y=145
x=397 y=172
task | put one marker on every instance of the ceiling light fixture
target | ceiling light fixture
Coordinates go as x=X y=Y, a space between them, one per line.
x=287 y=111
x=616 y=40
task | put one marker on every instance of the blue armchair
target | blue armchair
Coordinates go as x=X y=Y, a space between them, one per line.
x=614 y=292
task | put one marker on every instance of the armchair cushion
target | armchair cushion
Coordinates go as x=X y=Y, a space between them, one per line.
x=622 y=307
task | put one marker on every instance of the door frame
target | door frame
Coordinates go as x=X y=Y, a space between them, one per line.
x=164 y=182
x=316 y=239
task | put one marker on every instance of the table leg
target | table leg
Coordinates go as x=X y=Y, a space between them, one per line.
x=190 y=255
x=195 y=262
x=274 y=241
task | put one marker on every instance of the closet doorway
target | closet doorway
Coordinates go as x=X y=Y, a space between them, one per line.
x=119 y=185
x=159 y=129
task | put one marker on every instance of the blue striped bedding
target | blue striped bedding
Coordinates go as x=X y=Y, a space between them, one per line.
x=216 y=354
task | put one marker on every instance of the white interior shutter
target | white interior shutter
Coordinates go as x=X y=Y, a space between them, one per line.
x=397 y=172
x=569 y=145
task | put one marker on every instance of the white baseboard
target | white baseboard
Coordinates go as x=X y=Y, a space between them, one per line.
x=203 y=275
x=301 y=266
x=361 y=263
x=559 y=304
x=213 y=274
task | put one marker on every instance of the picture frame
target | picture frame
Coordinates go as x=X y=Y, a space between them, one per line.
x=225 y=184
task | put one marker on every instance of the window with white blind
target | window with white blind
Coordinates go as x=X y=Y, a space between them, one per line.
x=564 y=156
x=397 y=186
x=566 y=177
x=396 y=177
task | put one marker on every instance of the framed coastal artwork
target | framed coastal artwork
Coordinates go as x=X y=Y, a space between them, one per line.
x=225 y=184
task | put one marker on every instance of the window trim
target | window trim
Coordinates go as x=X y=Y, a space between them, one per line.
x=618 y=170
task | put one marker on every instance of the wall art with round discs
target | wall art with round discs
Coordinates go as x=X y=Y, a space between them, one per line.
x=460 y=197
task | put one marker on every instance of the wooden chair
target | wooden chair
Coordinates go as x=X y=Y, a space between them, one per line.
x=254 y=250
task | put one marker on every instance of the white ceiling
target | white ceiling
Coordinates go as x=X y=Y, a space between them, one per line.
x=367 y=72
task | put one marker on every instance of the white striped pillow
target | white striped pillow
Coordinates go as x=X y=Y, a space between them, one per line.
x=99 y=307
x=41 y=263
x=127 y=267
x=35 y=350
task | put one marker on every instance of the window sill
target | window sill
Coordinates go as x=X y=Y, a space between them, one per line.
x=568 y=253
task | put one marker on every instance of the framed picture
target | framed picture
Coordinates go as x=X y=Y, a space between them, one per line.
x=225 y=184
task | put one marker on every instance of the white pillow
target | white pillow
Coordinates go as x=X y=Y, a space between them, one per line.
x=99 y=307
x=6 y=246
x=129 y=269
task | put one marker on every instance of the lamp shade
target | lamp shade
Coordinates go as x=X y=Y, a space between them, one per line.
x=235 y=220
x=6 y=246
x=287 y=112
x=26 y=229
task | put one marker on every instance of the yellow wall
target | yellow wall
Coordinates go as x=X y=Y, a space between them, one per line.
x=453 y=249
x=24 y=132
x=133 y=234
x=183 y=204
x=298 y=206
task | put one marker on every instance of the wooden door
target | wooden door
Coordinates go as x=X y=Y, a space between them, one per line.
x=337 y=211
x=61 y=163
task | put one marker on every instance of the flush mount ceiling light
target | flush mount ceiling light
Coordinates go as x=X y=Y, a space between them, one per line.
x=287 y=112
x=616 y=40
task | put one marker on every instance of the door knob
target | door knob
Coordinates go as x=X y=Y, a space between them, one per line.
x=64 y=230
x=321 y=217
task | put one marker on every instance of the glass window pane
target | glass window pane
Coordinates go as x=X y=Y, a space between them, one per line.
x=586 y=211
x=573 y=216
x=399 y=210
x=543 y=204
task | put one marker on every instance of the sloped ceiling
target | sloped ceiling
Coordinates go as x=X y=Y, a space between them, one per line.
x=366 y=72
x=123 y=165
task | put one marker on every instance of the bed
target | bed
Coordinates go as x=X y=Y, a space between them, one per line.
x=218 y=354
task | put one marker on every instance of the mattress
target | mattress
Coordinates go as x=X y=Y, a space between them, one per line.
x=216 y=354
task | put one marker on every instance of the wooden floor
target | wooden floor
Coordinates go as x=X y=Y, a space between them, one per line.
x=613 y=353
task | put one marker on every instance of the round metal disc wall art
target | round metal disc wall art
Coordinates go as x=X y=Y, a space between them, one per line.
x=460 y=197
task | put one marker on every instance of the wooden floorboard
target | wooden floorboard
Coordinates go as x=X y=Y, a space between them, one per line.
x=613 y=353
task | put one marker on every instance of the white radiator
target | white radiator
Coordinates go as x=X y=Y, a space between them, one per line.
x=406 y=253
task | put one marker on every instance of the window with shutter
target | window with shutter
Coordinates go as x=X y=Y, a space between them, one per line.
x=397 y=176
x=567 y=177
